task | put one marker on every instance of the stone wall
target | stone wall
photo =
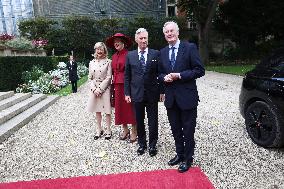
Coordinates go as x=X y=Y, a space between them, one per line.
x=16 y=52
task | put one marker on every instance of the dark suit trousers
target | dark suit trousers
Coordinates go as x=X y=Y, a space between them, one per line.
x=152 y=114
x=183 y=124
x=74 y=86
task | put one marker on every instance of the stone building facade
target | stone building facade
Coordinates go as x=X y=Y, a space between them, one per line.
x=13 y=11
x=99 y=8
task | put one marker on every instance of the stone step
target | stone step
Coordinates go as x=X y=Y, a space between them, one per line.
x=15 y=123
x=18 y=97
x=14 y=110
x=7 y=94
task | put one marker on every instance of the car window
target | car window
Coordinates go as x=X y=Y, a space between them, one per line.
x=273 y=63
x=279 y=67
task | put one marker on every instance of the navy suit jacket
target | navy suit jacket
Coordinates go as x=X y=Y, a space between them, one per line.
x=188 y=64
x=136 y=81
x=73 y=76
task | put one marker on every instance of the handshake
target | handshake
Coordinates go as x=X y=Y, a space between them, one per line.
x=172 y=77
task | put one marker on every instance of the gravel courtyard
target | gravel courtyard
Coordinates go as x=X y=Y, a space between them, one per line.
x=59 y=143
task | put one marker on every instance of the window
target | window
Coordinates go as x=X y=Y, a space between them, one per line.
x=171 y=11
x=192 y=25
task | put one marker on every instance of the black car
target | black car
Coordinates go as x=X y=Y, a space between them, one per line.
x=262 y=101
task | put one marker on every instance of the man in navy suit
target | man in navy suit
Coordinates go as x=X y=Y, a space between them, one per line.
x=73 y=76
x=142 y=88
x=179 y=67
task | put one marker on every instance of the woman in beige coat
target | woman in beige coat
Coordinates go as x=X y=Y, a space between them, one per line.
x=99 y=99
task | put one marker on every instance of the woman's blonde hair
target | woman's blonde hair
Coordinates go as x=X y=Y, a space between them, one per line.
x=100 y=45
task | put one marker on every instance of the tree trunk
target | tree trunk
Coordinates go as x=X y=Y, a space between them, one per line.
x=203 y=31
x=203 y=44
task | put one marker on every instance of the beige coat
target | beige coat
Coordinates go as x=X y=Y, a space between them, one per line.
x=99 y=79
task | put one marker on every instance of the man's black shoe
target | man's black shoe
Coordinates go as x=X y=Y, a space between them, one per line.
x=184 y=166
x=141 y=150
x=176 y=160
x=153 y=151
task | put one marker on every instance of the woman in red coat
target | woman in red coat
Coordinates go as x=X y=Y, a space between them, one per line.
x=124 y=112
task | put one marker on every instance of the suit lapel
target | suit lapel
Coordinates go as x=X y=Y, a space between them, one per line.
x=137 y=61
x=179 y=54
x=72 y=67
x=149 y=59
x=136 y=57
x=166 y=59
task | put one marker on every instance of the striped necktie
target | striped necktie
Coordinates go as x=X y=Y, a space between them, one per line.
x=142 y=60
x=172 y=61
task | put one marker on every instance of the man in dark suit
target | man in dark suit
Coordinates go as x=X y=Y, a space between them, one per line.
x=179 y=67
x=73 y=76
x=142 y=88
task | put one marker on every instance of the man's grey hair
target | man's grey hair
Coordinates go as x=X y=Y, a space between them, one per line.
x=168 y=23
x=140 y=30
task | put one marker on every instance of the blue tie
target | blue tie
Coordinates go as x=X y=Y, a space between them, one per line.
x=173 y=57
x=142 y=60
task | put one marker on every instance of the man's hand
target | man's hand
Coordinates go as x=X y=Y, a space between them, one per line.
x=175 y=76
x=127 y=99
x=168 y=78
x=162 y=97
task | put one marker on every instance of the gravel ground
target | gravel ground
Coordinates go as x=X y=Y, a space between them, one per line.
x=59 y=143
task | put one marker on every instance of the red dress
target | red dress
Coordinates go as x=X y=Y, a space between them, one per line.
x=124 y=112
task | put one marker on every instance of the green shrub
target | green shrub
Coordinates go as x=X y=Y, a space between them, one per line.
x=12 y=67
x=39 y=82
x=79 y=34
x=33 y=75
x=20 y=43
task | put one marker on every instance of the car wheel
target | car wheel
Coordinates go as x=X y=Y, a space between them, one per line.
x=264 y=125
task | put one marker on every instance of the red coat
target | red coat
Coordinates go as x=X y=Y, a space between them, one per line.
x=118 y=66
x=124 y=113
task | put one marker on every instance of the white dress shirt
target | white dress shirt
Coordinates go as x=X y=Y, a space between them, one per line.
x=145 y=53
x=176 y=49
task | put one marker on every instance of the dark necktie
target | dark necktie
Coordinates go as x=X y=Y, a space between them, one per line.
x=173 y=57
x=142 y=60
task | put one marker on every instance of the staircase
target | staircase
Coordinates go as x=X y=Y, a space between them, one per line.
x=18 y=109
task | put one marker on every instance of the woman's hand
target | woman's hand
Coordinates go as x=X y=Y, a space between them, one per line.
x=97 y=92
x=127 y=99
